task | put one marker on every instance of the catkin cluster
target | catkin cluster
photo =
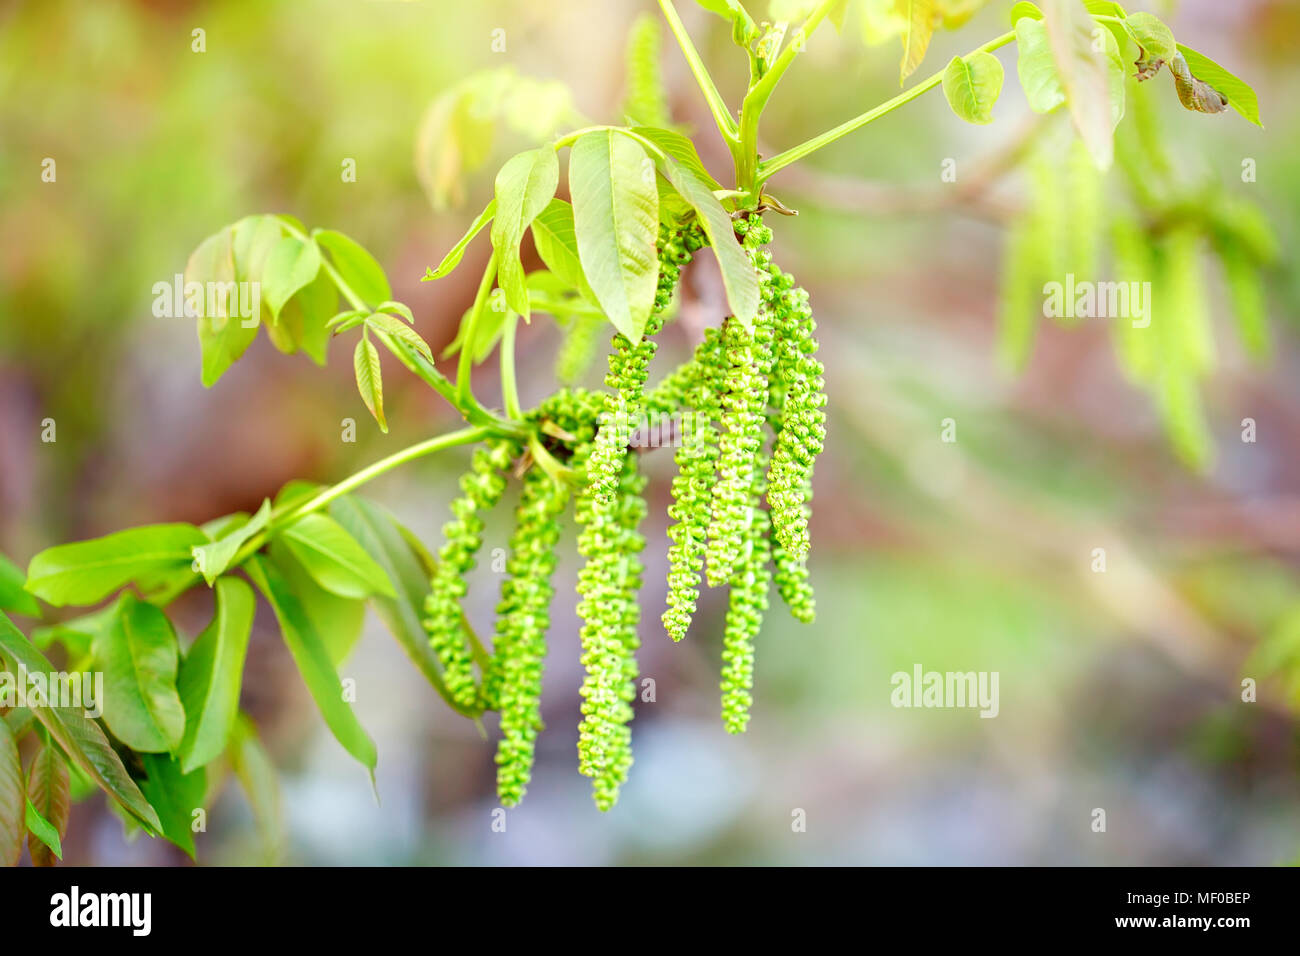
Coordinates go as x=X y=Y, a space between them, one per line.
x=750 y=408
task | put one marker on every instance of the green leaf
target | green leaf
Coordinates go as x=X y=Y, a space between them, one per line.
x=370 y=380
x=334 y=558
x=1155 y=39
x=88 y=571
x=1239 y=94
x=76 y=634
x=487 y=332
x=398 y=309
x=355 y=265
x=347 y=319
x=452 y=259
x=12 y=595
x=337 y=619
x=139 y=655
x=557 y=244
x=972 y=85
x=256 y=773
x=743 y=28
x=313 y=660
x=738 y=275
x=212 y=673
x=80 y=737
x=42 y=832
x=391 y=325
x=212 y=560
x=304 y=320
x=616 y=219
x=290 y=266
x=382 y=538
x=524 y=186
x=49 y=793
x=1037 y=69
x=1024 y=8
x=13 y=799
x=175 y=795
x=254 y=238
x=223 y=337
x=680 y=148
x=920 y=17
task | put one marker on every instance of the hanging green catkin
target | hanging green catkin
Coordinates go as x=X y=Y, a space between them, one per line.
x=628 y=370
x=482 y=487
x=802 y=430
x=747 y=603
x=523 y=617
x=692 y=488
x=793 y=583
x=747 y=360
x=607 y=586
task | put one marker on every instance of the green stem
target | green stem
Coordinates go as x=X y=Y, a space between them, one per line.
x=509 y=386
x=782 y=160
x=747 y=165
x=463 y=393
x=717 y=106
x=282 y=519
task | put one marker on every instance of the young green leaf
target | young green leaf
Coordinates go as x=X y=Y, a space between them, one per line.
x=337 y=619
x=48 y=792
x=88 y=571
x=743 y=28
x=75 y=634
x=678 y=147
x=398 y=309
x=616 y=220
x=175 y=795
x=12 y=595
x=211 y=675
x=452 y=259
x=1037 y=69
x=313 y=660
x=13 y=799
x=1024 y=8
x=378 y=532
x=386 y=324
x=223 y=336
x=738 y=275
x=290 y=266
x=254 y=238
x=357 y=267
x=487 y=332
x=42 y=833
x=348 y=319
x=139 y=655
x=972 y=85
x=256 y=773
x=78 y=735
x=213 y=560
x=1239 y=94
x=370 y=380
x=304 y=319
x=524 y=186
x=920 y=17
x=557 y=244
x=334 y=558
x=1155 y=39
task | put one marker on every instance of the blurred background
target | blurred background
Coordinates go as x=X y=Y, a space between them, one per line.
x=1119 y=689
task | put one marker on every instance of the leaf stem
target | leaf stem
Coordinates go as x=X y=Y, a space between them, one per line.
x=280 y=520
x=717 y=106
x=793 y=155
x=509 y=386
x=463 y=369
x=747 y=165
